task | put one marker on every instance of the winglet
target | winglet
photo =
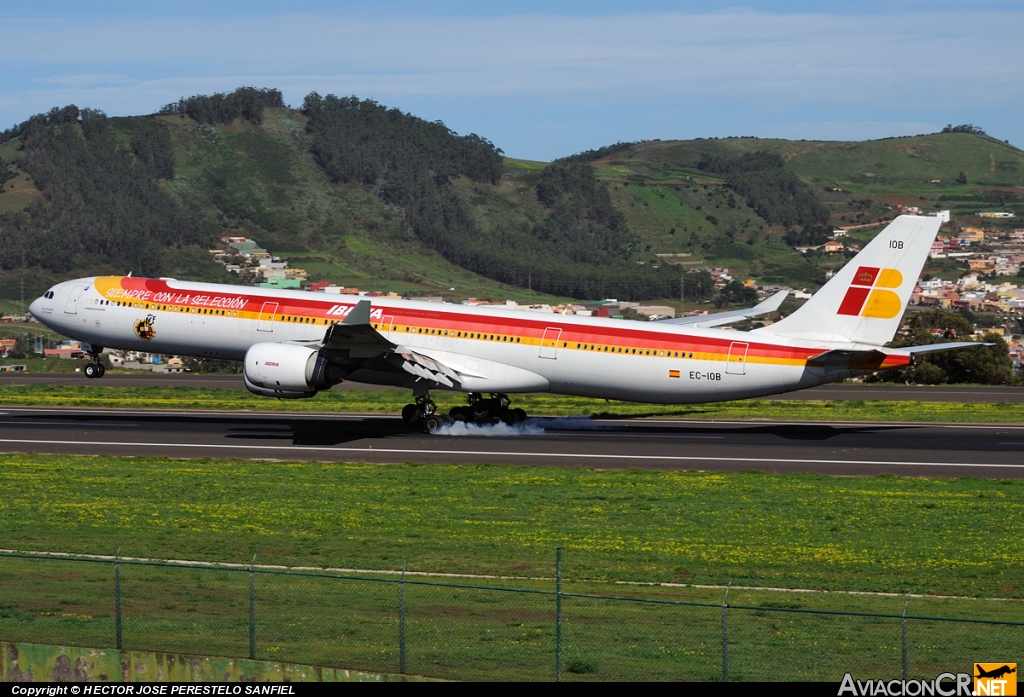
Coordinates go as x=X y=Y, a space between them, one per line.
x=360 y=314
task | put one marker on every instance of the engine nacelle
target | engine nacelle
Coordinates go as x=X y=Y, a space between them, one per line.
x=287 y=371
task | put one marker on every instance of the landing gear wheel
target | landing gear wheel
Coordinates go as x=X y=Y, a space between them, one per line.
x=461 y=413
x=92 y=370
x=436 y=421
x=486 y=409
x=103 y=371
x=411 y=413
x=482 y=410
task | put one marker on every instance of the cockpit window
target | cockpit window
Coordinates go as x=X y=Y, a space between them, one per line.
x=48 y=295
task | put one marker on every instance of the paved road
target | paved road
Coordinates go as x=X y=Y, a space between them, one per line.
x=147 y=379
x=826 y=392
x=839 y=449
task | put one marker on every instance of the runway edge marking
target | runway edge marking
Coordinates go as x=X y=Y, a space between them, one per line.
x=498 y=453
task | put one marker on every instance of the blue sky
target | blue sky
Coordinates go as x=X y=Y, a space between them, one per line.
x=544 y=79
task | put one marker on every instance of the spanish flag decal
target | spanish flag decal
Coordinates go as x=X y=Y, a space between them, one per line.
x=673 y=373
x=867 y=296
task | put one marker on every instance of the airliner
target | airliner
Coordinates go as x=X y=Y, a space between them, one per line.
x=294 y=344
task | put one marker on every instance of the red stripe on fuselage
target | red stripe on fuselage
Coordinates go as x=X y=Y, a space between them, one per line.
x=468 y=321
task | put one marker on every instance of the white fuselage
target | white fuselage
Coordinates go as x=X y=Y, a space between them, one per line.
x=576 y=355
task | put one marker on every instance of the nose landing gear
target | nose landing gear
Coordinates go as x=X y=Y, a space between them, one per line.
x=95 y=369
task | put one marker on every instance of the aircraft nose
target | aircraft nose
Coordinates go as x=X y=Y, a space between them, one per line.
x=34 y=307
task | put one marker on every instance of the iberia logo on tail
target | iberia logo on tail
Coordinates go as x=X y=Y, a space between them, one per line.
x=867 y=296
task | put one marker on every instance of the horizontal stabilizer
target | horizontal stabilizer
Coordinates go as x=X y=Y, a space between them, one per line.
x=762 y=308
x=848 y=359
x=872 y=359
x=936 y=348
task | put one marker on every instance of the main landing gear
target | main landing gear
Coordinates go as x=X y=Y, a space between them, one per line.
x=481 y=410
x=94 y=369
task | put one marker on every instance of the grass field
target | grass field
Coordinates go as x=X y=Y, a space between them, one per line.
x=957 y=536
x=475 y=633
x=391 y=401
x=937 y=536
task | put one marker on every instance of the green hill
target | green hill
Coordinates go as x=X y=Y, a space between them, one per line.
x=366 y=196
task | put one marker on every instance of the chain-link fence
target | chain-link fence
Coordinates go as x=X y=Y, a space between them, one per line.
x=529 y=629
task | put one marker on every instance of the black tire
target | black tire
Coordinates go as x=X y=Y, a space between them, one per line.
x=506 y=417
x=484 y=409
x=461 y=413
x=519 y=414
x=103 y=371
x=411 y=413
x=91 y=370
x=434 y=422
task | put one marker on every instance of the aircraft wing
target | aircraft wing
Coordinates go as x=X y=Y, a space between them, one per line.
x=353 y=342
x=355 y=345
x=354 y=337
x=762 y=308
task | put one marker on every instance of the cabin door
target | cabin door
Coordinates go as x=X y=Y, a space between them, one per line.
x=72 y=305
x=737 y=363
x=266 y=321
x=549 y=342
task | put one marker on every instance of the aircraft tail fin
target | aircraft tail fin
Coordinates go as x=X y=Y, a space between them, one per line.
x=865 y=301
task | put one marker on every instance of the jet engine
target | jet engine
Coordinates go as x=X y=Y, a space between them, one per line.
x=288 y=371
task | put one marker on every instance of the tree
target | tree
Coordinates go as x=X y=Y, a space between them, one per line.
x=774 y=192
x=985 y=365
x=964 y=128
x=962 y=179
x=735 y=293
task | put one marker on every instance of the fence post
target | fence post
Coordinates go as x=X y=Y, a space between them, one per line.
x=725 y=634
x=401 y=620
x=252 y=606
x=906 y=649
x=117 y=597
x=558 y=614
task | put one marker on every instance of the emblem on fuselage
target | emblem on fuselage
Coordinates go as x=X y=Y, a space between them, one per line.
x=144 y=328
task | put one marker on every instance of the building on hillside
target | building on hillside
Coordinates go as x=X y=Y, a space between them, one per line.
x=982 y=264
x=974 y=235
x=66 y=350
x=910 y=210
x=833 y=247
x=655 y=311
x=275 y=282
x=995 y=214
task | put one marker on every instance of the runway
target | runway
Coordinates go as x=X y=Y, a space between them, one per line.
x=922 y=393
x=834 y=449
